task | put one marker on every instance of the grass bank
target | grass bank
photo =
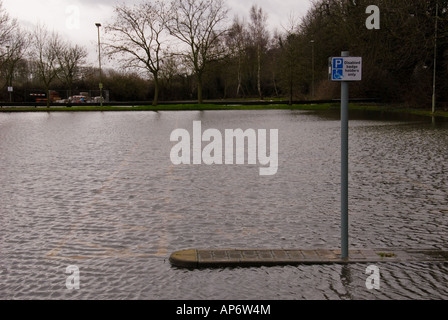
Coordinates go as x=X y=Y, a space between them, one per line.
x=399 y=109
x=217 y=107
x=170 y=107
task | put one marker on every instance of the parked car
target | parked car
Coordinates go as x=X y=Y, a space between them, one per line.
x=97 y=99
x=78 y=99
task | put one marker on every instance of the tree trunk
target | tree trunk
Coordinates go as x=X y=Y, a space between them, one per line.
x=291 y=85
x=156 y=90
x=48 y=98
x=200 y=98
x=274 y=81
x=70 y=88
x=290 y=91
x=238 y=89
x=259 y=72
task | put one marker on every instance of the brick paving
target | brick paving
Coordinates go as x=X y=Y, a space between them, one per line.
x=220 y=258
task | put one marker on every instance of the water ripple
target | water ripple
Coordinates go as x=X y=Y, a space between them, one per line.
x=98 y=190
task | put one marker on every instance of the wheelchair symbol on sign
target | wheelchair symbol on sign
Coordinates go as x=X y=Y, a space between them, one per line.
x=338 y=74
x=338 y=69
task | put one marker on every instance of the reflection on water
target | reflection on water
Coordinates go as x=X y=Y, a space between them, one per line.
x=98 y=190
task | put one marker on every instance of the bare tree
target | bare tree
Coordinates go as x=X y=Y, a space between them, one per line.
x=44 y=56
x=290 y=43
x=70 y=57
x=198 y=24
x=290 y=62
x=16 y=49
x=8 y=44
x=236 y=41
x=173 y=70
x=260 y=38
x=137 y=37
x=7 y=27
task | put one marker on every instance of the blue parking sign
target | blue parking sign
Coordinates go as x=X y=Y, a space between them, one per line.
x=338 y=69
x=346 y=69
x=338 y=63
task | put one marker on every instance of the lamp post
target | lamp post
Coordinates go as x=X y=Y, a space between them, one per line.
x=435 y=61
x=98 y=25
x=10 y=76
x=312 y=89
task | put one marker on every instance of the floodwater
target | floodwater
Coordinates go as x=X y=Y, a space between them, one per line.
x=98 y=192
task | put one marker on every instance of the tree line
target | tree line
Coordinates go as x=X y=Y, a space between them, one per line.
x=399 y=58
x=194 y=50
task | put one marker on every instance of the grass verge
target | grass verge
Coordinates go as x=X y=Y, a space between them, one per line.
x=174 y=107
x=216 y=107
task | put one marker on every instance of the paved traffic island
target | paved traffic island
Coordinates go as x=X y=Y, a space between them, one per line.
x=222 y=258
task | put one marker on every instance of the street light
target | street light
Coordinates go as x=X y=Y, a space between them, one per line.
x=435 y=61
x=98 y=25
x=10 y=76
x=312 y=90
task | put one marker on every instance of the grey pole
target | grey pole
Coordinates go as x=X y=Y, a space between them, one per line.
x=344 y=165
x=98 y=25
x=313 y=63
x=435 y=61
x=10 y=76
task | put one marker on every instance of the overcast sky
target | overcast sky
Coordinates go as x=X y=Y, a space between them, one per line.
x=60 y=15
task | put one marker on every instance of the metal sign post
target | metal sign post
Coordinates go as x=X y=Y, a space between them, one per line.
x=10 y=90
x=345 y=69
x=344 y=165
